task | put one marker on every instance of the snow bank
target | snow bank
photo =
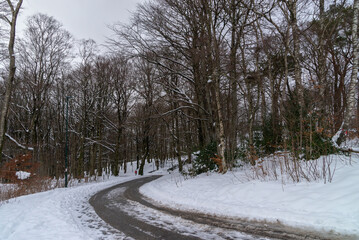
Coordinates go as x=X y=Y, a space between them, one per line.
x=332 y=206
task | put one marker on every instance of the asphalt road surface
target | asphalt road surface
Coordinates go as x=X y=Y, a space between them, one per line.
x=124 y=208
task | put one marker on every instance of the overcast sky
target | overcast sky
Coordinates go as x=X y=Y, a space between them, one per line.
x=82 y=18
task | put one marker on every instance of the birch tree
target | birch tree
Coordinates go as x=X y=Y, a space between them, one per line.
x=349 y=114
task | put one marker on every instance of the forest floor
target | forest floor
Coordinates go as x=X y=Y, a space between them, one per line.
x=326 y=203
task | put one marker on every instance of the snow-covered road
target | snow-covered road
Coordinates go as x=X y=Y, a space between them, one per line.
x=125 y=209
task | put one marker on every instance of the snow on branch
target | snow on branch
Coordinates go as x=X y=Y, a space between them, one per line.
x=19 y=144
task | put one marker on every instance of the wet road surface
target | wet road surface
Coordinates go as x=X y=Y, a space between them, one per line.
x=124 y=208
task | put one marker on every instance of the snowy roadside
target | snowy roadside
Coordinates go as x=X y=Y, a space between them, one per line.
x=57 y=214
x=61 y=213
x=324 y=207
x=67 y=214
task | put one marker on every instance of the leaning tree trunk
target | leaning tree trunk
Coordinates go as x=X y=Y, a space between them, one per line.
x=349 y=114
x=12 y=69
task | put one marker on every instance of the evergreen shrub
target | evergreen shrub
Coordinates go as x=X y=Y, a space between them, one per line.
x=202 y=162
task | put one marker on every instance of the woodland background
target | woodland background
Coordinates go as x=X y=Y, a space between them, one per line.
x=239 y=78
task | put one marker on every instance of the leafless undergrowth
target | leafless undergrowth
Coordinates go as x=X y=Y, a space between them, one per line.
x=287 y=168
x=25 y=187
x=8 y=191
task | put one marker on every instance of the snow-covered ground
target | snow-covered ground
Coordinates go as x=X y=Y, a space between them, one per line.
x=59 y=214
x=66 y=214
x=56 y=214
x=322 y=206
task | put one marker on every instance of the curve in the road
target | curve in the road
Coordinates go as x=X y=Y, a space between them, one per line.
x=111 y=211
x=120 y=220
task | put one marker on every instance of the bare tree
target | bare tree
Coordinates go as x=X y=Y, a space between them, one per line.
x=44 y=51
x=83 y=82
x=12 y=10
x=122 y=81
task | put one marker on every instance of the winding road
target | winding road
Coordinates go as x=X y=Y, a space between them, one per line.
x=124 y=208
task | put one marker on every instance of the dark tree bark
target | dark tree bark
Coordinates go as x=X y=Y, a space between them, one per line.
x=14 y=11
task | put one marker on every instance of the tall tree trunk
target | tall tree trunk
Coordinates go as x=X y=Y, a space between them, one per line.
x=145 y=145
x=233 y=118
x=99 y=161
x=81 y=159
x=220 y=128
x=145 y=156
x=178 y=142
x=188 y=140
x=12 y=69
x=214 y=67
x=137 y=153
x=350 y=111
x=349 y=114
x=92 y=159
x=321 y=60
x=297 y=69
x=322 y=68
x=114 y=167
